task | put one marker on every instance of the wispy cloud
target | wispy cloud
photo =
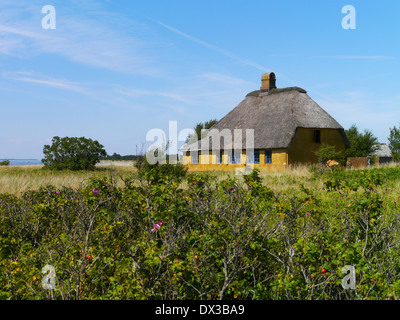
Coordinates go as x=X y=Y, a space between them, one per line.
x=29 y=77
x=206 y=90
x=51 y=83
x=139 y=92
x=13 y=41
x=214 y=48
x=21 y=32
x=93 y=44
x=86 y=39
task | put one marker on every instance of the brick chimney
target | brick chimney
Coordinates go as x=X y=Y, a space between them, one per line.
x=267 y=82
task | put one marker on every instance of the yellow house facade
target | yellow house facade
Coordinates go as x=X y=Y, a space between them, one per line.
x=286 y=127
x=268 y=160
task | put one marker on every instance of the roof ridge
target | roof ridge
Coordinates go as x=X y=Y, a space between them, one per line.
x=256 y=93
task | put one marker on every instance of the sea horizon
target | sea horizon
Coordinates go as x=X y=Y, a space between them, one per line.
x=21 y=162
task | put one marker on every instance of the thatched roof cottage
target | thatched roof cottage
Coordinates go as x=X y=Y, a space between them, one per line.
x=288 y=125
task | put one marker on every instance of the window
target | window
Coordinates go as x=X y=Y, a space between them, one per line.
x=195 y=158
x=235 y=156
x=268 y=156
x=220 y=153
x=317 y=136
x=254 y=157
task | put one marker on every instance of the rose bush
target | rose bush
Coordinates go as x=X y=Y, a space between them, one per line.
x=168 y=235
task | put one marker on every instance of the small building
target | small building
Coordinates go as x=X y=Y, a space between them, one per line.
x=286 y=127
x=383 y=150
x=382 y=154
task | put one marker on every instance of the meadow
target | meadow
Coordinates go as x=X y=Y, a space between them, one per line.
x=119 y=232
x=19 y=179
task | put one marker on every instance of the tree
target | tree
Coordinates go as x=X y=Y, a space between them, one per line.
x=5 y=163
x=326 y=153
x=394 y=142
x=72 y=153
x=117 y=157
x=199 y=126
x=361 y=144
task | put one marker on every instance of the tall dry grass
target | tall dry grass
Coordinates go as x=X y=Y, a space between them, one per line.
x=18 y=179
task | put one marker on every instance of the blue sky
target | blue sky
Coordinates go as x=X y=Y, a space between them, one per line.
x=113 y=70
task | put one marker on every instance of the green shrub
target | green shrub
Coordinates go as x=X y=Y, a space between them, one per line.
x=72 y=154
x=212 y=239
x=5 y=163
x=156 y=173
x=326 y=153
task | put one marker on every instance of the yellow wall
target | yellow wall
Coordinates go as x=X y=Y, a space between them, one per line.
x=302 y=149
x=279 y=162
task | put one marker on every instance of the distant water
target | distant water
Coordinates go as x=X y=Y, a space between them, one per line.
x=21 y=162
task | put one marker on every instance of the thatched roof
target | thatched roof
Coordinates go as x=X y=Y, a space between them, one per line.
x=383 y=150
x=274 y=116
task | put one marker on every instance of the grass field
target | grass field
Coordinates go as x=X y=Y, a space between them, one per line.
x=18 y=179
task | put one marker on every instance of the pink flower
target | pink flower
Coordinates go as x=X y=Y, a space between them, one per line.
x=95 y=191
x=156 y=226
x=395 y=202
x=308 y=213
x=57 y=192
